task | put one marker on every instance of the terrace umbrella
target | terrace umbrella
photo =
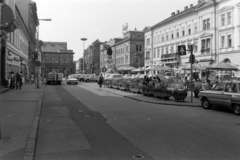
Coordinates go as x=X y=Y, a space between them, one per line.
x=121 y=69
x=138 y=69
x=222 y=66
x=195 y=66
x=160 y=68
x=128 y=68
x=149 y=68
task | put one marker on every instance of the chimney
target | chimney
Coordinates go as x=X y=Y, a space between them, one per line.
x=185 y=8
x=199 y=1
x=191 y=5
x=178 y=11
x=173 y=13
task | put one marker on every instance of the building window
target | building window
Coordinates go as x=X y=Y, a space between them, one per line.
x=172 y=51
x=158 y=54
x=229 y=18
x=177 y=33
x=166 y=36
x=223 y=20
x=139 y=35
x=154 y=53
x=126 y=48
x=56 y=60
x=189 y=29
x=137 y=48
x=206 y=24
x=162 y=38
x=183 y=31
x=140 y=48
x=166 y=50
x=222 y=41
x=229 y=40
x=172 y=35
x=148 y=41
x=195 y=48
x=195 y=27
x=205 y=46
x=162 y=50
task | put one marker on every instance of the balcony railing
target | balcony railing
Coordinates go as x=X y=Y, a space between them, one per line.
x=169 y=56
x=205 y=51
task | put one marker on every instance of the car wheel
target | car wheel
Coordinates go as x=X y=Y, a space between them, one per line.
x=205 y=103
x=236 y=109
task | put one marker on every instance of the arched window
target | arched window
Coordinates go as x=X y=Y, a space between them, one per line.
x=226 y=60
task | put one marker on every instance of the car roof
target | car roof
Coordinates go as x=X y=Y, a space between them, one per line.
x=230 y=81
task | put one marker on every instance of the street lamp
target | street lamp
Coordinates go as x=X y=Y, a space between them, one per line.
x=83 y=39
x=47 y=19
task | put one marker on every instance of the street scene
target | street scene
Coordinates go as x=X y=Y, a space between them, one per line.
x=157 y=85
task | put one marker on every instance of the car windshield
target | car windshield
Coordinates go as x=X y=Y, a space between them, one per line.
x=219 y=87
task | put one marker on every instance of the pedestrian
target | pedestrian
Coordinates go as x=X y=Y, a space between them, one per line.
x=9 y=79
x=100 y=81
x=32 y=78
x=12 y=80
x=186 y=83
x=197 y=87
x=18 y=81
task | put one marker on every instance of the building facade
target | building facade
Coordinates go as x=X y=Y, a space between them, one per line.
x=213 y=29
x=228 y=20
x=92 y=58
x=126 y=51
x=57 y=58
x=28 y=10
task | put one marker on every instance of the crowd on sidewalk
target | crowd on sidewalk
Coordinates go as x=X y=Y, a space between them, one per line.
x=16 y=80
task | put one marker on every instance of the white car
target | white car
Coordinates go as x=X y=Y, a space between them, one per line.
x=72 y=80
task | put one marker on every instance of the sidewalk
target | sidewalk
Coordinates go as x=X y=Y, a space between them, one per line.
x=19 y=111
x=140 y=97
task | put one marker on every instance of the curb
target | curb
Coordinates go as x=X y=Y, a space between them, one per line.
x=3 y=90
x=31 y=142
x=172 y=104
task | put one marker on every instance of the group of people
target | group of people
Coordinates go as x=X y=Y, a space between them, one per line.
x=199 y=85
x=15 y=80
x=152 y=81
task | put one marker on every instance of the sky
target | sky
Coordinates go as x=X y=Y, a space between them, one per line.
x=99 y=19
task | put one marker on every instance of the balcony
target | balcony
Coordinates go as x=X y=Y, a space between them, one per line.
x=205 y=51
x=169 y=56
x=147 y=58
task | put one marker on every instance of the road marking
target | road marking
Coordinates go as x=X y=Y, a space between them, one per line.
x=98 y=91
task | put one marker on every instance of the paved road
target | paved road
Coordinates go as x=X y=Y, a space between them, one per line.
x=84 y=122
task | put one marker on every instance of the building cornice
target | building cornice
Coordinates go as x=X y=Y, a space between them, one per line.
x=225 y=29
x=229 y=52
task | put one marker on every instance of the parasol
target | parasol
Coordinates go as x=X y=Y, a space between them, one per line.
x=160 y=68
x=138 y=69
x=222 y=66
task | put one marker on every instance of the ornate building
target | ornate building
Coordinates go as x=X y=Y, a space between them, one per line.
x=57 y=58
x=212 y=26
x=91 y=58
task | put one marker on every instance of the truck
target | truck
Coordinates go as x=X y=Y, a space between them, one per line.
x=53 y=77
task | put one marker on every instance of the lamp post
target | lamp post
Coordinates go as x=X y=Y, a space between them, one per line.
x=83 y=39
x=47 y=19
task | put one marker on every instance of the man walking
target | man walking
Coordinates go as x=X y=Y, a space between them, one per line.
x=100 y=81
x=12 y=80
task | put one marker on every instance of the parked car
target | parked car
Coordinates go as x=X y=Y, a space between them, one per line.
x=91 y=78
x=81 y=78
x=127 y=76
x=72 y=80
x=114 y=77
x=224 y=94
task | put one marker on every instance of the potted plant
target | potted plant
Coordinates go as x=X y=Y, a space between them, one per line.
x=179 y=94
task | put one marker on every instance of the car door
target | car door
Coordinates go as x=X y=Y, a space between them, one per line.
x=215 y=97
x=230 y=90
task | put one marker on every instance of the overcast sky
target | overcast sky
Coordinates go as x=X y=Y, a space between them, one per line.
x=99 y=19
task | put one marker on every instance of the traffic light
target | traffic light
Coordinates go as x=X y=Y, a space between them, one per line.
x=109 y=51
